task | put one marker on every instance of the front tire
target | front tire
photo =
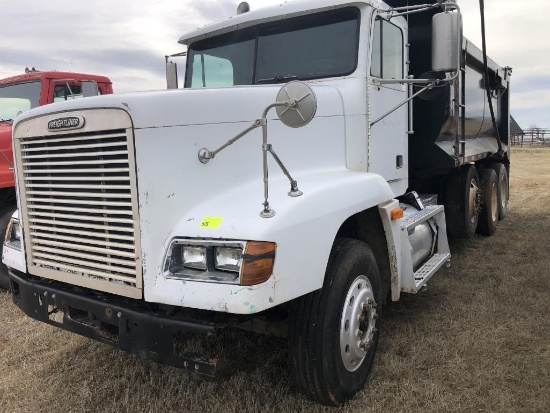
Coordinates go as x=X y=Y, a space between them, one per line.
x=333 y=332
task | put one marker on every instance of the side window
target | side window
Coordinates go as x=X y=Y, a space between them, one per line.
x=66 y=92
x=211 y=71
x=387 y=50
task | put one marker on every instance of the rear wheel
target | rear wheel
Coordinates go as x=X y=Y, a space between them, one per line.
x=462 y=202
x=333 y=332
x=5 y=216
x=503 y=189
x=488 y=216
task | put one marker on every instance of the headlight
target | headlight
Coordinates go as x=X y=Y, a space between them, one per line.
x=194 y=257
x=228 y=259
x=230 y=262
x=13 y=235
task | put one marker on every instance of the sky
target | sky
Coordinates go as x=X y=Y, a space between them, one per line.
x=127 y=40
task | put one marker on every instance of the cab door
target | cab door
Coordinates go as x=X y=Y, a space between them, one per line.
x=388 y=137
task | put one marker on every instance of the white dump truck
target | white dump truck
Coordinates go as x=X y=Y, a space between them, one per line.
x=312 y=165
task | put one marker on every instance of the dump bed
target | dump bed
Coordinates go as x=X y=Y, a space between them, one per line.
x=452 y=123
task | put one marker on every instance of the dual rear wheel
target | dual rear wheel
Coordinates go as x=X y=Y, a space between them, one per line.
x=475 y=200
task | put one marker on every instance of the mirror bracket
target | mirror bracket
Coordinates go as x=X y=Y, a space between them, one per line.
x=296 y=105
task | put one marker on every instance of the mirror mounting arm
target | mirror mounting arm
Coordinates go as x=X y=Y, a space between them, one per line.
x=267 y=212
x=429 y=86
x=294 y=191
x=205 y=155
x=299 y=106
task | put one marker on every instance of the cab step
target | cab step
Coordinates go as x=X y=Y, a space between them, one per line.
x=421 y=216
x=429 y=268
x=412 y=281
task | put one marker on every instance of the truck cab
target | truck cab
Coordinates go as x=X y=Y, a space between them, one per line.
x=24 y=92
x=312 y=166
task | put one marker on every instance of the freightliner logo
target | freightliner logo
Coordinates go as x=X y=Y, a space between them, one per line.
x=70 y=122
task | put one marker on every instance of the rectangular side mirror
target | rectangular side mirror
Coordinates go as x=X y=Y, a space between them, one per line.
x=446 y=42
x=171 y=75
x=89 y=88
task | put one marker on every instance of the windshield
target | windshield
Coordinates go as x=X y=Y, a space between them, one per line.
x=18 y=98
x=309 y=47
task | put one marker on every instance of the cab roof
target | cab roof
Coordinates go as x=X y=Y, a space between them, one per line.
x=38 y=75
x=272 y=13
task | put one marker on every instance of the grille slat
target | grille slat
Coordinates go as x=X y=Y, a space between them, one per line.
x=86 y=234
x=60 y=223
x=114 y=248
x=37 y=200
x=81 y=194
x=77 y=186
x=47 y=142
x=85 y=210
x=84 y=271
x=90 y=258
x=73 y=178
x=64 y=155
x=73 y=147
x=76 y=171
x=80 y=205
x=94 y=162
x=84 y=264
x=80 y=217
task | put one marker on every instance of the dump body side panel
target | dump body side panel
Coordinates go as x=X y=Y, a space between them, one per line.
x=446 y=135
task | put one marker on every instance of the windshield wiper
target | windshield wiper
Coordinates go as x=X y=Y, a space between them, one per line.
x=277 y=79
x=6 y=120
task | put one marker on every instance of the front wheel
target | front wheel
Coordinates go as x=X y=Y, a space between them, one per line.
x=333 y=332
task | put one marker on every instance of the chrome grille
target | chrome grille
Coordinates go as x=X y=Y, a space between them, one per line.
x=80 y=204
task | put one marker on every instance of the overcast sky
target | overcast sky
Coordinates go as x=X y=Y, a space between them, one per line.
x=127 y=40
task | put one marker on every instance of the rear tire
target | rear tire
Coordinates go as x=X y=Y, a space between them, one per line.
x=5 y=216
x=333 y=332
x=462 y=202
x=503 y=189
x=488 y=216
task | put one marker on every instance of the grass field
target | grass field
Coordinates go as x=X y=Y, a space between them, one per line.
x=476 y=340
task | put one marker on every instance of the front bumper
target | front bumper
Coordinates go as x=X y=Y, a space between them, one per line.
x=125 y=324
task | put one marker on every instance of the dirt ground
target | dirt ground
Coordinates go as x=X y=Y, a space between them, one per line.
x=476 y=340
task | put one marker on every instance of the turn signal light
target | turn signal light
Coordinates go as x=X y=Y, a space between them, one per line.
x=396 y=213
x=257 y=262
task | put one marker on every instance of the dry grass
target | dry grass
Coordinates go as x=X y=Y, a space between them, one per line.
x=477 y=340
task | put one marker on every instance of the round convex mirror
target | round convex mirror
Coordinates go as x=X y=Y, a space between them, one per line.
x=305 y=108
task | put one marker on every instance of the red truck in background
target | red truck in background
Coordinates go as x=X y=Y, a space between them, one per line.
x=24 y=92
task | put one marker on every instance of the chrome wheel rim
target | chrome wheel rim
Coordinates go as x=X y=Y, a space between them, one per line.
x=357 y=325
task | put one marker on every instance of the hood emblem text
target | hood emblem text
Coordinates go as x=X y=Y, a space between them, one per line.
x=69 y=122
